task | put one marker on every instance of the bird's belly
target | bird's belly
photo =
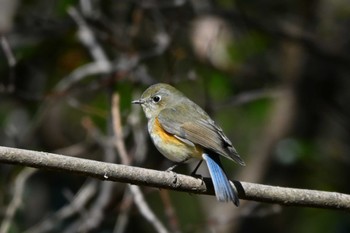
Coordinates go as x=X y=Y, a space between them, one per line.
x=171 y=147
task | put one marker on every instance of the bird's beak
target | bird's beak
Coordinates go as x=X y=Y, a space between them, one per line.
x=140 y=101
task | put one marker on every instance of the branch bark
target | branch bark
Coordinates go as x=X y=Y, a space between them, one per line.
x=167 y=180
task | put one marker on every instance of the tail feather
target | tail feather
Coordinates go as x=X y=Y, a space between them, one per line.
x=223 y=189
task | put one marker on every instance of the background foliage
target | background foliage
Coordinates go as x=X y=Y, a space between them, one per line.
x=273 y=74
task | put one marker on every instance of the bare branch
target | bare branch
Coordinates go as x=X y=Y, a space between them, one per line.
x=11 y=59
x=93 y=216
x=139 y=199
x=87 y=37
x=17 y=198
x=101 y=63
x=166 y=180
x=124 y=213
x=145 y=210
x=118 y=131
x=85 y=195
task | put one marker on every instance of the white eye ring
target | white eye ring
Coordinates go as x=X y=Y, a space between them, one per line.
x=156 y=98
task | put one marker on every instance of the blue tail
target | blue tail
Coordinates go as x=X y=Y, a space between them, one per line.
x=223 y=189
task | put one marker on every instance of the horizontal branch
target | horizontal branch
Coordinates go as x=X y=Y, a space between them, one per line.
x=168 y=180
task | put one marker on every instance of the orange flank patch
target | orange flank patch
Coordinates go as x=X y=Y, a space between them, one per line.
x=167 y=138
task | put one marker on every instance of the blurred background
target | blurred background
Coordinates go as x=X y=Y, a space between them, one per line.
x=275 y=75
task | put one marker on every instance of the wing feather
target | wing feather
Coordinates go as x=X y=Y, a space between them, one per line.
x=198 y=128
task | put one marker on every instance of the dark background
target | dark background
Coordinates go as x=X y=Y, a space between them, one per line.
x=275 y=75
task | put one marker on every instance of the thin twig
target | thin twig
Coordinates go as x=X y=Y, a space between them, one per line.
x=100 y=64
x=78 y=204
x=118 y=131
x=17 y=198
x=138 y=133
x=170 y=212
x=160 y=179
x=87 y=37
x=145 y=210
x=124 y=211
x=11 y=59
x=249 y=97
x=95 y=214
x=139 y=199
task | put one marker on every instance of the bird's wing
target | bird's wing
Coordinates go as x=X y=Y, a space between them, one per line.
x=198 y=128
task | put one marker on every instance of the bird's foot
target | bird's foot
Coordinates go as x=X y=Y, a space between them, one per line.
x=170 y=169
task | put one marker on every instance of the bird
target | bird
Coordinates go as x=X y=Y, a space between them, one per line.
x=181 y=130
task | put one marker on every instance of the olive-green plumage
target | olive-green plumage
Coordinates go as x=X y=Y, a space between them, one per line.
x=182 y=130
x=181 y=117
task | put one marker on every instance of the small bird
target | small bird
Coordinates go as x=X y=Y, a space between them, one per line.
x=181 y=130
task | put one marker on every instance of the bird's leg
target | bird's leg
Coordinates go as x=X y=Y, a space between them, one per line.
x=170 y=169
x=193 y=173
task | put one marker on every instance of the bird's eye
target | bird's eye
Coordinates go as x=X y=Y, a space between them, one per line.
x=156 y=98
